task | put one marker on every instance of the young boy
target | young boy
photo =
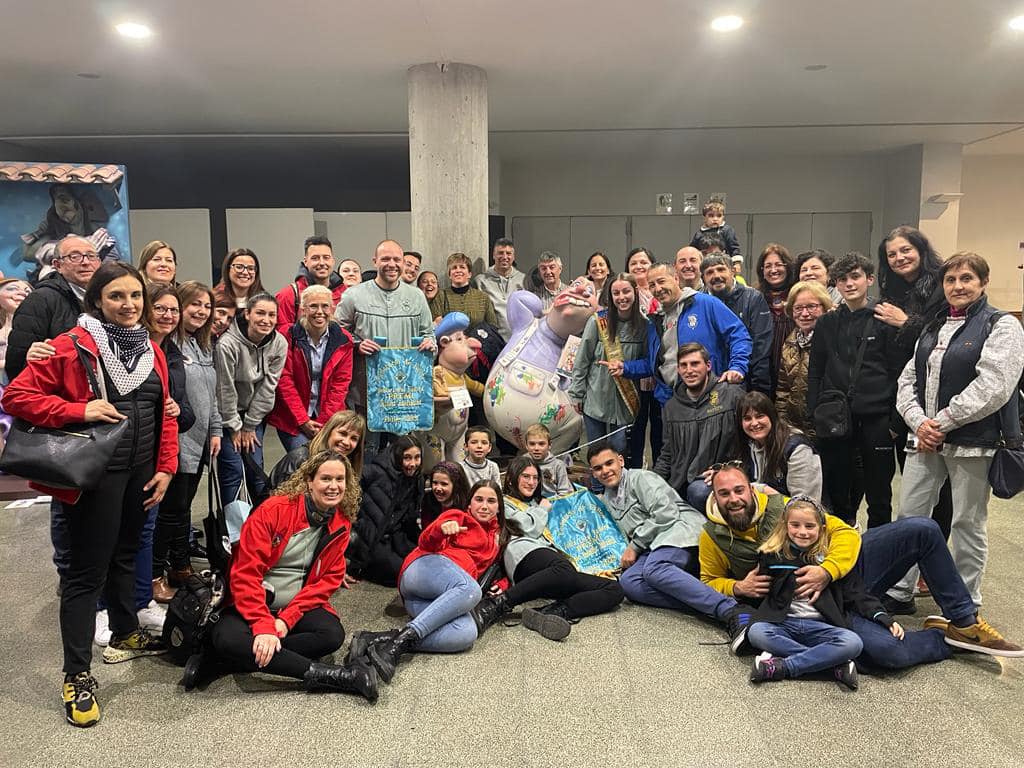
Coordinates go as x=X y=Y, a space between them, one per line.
x=714 y=223
x=554 y=478
x=476 y=464
x=870 y=397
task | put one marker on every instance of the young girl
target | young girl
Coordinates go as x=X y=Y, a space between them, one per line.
x=539 y=570
x=617 y=334
x=449 y=489
x=798 y=636
x=438 y=581
x=772 y=452
x=386 y=529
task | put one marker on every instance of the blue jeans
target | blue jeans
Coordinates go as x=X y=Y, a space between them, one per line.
x=666 y=578
x=291 y=441
x=229 y=464
x=439 y=596
x=888 y=551
x=697 y=494
x=806 y=645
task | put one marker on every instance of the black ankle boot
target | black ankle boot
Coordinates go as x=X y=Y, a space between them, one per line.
x=551 y=621
x=201 y=668
x=385 y=655
x=489 y=612
x=362 y=640
x=357 y=677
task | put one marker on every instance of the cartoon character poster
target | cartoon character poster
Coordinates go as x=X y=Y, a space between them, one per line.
x=40 y=203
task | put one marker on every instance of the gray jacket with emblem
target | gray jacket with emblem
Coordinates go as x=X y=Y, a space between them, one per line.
x=650 y=514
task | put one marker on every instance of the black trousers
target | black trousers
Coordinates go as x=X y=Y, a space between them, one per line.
x=383 y=566
x=650 y=410
x=170 y=538
x=942 y=512
x=104 y=529
x=548 y=573
x=869 y=435
x=318 y=633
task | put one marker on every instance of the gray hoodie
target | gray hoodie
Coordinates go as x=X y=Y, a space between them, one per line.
x=247 y=375
x=201 y=387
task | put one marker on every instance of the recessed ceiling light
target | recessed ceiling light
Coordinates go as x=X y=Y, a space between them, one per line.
x=1017 y=23
x=88 y=76
x=726 y=23
x=816 y=67
x=134 y=30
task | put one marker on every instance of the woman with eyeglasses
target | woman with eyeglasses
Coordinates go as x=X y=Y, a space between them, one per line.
x=807 y=302
x=772 y=452
x=317 y=370
x=198 y=444
x=537 y=569
x=240 y=277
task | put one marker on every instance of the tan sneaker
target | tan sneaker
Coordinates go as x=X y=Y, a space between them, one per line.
x=936 y=622
x=981 y=638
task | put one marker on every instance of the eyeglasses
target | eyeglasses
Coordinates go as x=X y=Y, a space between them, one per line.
x=734 y=464
x=244 y=268
x=166 y=310
x=78 y=257
x=811 y=309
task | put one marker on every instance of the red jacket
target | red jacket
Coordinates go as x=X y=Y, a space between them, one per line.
x=291 y=406
x=473 y=550
x=262 y=541
x=288 y=298
x=53 y=393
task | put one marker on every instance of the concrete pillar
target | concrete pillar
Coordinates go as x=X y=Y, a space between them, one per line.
x=448 y=168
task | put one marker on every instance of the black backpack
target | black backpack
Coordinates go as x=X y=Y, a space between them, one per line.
x=194 y=608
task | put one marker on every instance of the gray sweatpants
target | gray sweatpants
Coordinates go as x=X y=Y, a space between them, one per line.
x=923 y=477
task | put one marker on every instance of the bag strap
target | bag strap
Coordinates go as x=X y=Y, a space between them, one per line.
x=98 y=390
x=855 y=371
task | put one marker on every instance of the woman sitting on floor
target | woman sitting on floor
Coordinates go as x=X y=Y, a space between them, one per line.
x=290 y=560
x=538 y=569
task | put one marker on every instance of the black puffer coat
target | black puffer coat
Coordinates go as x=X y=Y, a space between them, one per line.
x=388 y=514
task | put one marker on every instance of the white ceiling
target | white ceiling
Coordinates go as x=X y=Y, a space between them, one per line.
x=563 y=76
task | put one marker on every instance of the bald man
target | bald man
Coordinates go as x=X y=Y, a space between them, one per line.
x=688 y=261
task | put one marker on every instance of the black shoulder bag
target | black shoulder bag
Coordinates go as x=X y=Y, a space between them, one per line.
x=72 y=457
x=832 y=413
x=1006 y=473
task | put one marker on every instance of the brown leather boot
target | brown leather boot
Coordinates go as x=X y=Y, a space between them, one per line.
x=177 y=577
x=162 y=591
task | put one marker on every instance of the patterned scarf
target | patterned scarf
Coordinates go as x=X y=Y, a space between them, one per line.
x=126 y=353
x=803 y=340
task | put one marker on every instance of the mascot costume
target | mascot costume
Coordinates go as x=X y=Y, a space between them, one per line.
x=525 y=386
x=455 y=352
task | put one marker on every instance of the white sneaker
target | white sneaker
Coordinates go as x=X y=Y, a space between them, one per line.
x=102 y=634
x=151 y=618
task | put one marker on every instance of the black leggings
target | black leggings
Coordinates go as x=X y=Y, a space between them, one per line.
x=549 y=573
x=170 y=538
x=316 y=634
x=104 y=528
x=383 y=566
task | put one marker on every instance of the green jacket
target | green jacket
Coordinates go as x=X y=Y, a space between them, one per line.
x=592 y=385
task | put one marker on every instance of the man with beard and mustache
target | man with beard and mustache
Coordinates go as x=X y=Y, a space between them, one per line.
x=741 y=519
x=659 y=564
x=750 y=307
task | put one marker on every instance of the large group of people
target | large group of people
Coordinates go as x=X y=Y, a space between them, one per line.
x=764 y=415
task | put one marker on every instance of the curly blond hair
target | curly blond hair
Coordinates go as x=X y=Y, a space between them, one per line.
x=298 y=484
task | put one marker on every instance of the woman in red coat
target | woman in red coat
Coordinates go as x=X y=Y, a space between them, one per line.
x=290 y=560
x=438 y=581
x=105 y=522
x=317 y=371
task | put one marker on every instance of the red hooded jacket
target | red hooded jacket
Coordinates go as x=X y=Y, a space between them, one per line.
x=473 y=550
x=263 y=540
x=53 y=393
